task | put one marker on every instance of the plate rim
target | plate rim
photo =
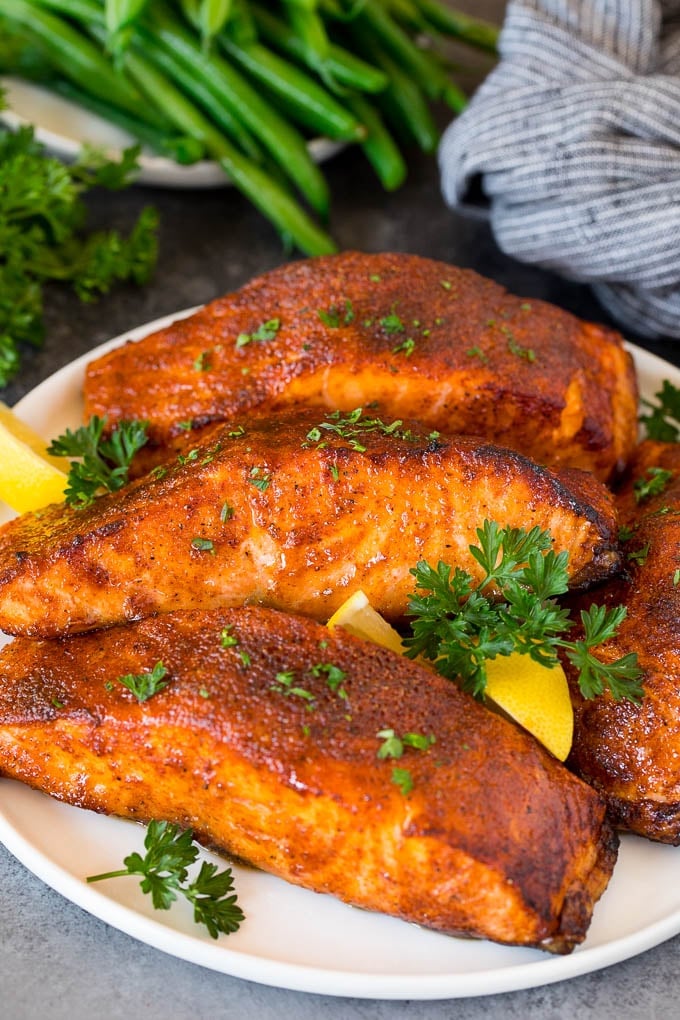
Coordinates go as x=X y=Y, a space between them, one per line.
x=155 y=170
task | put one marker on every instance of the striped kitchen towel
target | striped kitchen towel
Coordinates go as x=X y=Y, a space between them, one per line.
x=575 y=140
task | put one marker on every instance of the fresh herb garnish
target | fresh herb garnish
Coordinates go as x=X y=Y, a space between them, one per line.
x=353 y=424
x=403 y=779
x=145 y=685
x=203 y=544
x=459 y=624
x=663 y=420
x=105 y=463
x=393 y=746
x=392 y=323
x=41 y=240
x=408 y=346
x=285 y=684
x=652 y=483
x=639 y=556
x=266 y=331
x=260 y=478
x=164 y=868
x=335 y=316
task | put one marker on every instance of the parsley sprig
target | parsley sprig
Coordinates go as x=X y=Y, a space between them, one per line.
x=459 y=624
x=41 y=237
x=662 y=420
x=105 y=462
x=164 y=868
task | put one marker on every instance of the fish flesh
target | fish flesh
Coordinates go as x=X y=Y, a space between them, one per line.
x=294 y=512
x=266 y=743
x=631 y=752
x=416 y=337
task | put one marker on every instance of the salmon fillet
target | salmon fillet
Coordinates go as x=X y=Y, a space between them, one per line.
x=631 y=753
x=421 y=338
x=495 y=839
x=296 y=513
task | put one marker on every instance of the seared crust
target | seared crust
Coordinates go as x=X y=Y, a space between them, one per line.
x=503 y=844
x=631 y=753
x=266 y=514
x=421 y=338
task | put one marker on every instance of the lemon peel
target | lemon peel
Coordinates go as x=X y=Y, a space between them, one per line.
x=29 y=477
x=535 y=696
x=357 y=616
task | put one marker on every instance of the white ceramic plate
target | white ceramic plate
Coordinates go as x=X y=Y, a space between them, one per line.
x=62 y=128
x=297 y=939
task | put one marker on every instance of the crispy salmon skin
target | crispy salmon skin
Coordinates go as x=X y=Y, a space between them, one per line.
x=421 y=338
x=293 y=512
x=629 y=752
x=265 y=742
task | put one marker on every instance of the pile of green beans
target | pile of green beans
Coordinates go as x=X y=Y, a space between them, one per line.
x=247 y=83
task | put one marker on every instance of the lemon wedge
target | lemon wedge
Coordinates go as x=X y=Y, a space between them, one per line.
x=358 y=616
x=29 y=477
x=534 y=696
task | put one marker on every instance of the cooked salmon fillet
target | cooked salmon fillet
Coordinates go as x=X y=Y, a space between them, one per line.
x=421 y=338
x=268 y=749
x=293 y=512
x=631 y=753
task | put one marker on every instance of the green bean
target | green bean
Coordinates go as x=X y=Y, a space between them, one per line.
x=310 y=30
x=345 y=67
x=195 y=86
x=208 y=17
x=281 y=140
x=374 y=19
x=265 y=193
x=76 y=57
x=121 y=13
x=379 y=147
x=309 y=103
x=182 y=149
x=406 y=103
x=473 y=31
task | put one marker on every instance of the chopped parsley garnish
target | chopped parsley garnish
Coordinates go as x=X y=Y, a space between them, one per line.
x=353 y=424
x=337 y=316
x=145 y=685
x=227 y=638
x=459 y=624
x=266 y=331
x=407 y=346
x=393 y=746
x=260 y=478
x=285 y=684
x=203 y=544
x=652 y=483
x=392 y=323
x=105 y=463
x=165 y=871
x=477 y=352
x=639 y=556
x=403 y=779
x=202 y=362
x=226 y=513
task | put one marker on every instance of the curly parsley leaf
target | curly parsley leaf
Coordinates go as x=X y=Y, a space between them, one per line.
x=164 y=868
x=459 y=625
x=105 y=461
x=145 y=685
x=42 y=239
x=662 y=420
